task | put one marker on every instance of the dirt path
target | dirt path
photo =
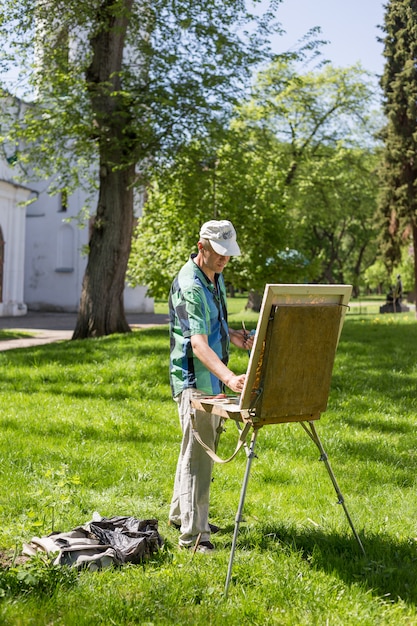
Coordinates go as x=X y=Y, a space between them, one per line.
x=49 y=327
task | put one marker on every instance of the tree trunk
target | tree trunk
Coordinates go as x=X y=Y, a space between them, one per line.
x=101 y=309
x=254 y=301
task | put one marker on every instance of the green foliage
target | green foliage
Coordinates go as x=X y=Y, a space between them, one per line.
x=377 y=277
x=239 y=187
x=335 y=201
x=321 y=107
x=178 y=58
x=38 y=576
x=325 y=121
x=99 y=413
x=406 y=269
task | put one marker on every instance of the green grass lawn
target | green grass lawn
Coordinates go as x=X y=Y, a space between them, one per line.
x=90 y=426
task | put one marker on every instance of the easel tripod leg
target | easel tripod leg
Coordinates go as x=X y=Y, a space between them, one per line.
x=323 y=457
x=238 y=519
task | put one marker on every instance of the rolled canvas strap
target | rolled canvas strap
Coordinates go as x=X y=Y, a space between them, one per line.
x=242 y=438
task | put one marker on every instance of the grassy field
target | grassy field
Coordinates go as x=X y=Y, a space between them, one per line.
x=366 y=305
x=90 y=426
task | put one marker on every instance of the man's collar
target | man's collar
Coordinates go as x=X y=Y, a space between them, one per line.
x=209 y=282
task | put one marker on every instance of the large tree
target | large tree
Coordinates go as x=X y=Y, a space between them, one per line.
x=398 y=171
x=116 y=83
x=326 y=119
x=294 y=172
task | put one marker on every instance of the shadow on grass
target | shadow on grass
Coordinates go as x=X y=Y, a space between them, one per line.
x=376 y=356
x=154 y=341
x=115 y=367
x=404 y=462
x=387 y=570
x=127 y=434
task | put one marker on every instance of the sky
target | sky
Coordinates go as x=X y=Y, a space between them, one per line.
x=350 y=26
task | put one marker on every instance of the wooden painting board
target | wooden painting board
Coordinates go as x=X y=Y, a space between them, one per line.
x=290 y=295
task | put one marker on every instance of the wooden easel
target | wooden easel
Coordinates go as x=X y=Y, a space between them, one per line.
x=289 y=373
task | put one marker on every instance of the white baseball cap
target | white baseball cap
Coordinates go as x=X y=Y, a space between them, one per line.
x=222 y=237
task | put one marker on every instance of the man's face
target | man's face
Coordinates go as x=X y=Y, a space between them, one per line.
x=214 y=262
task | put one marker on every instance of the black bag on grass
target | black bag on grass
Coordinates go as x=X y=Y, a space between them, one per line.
x=133 y=540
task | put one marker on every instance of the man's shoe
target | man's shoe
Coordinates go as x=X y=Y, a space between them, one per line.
x=213 y=528
x=204 y=547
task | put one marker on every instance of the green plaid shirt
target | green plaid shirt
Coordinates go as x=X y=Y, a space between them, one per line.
x=196 y=307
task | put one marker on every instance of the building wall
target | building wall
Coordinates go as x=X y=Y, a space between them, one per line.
x=55 y=260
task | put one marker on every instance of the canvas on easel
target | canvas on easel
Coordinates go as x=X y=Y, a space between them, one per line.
x=290 y=367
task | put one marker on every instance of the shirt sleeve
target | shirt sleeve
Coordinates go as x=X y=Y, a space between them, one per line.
x=196 y=313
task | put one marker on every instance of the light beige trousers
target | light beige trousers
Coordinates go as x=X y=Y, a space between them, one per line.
x=190 y=501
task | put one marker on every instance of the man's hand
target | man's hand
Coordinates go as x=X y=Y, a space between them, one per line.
x=210 y=359
x=236 y=383
x=241 y=338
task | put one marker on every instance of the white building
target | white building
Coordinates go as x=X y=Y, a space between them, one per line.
x=42 y=262
x=12 y=243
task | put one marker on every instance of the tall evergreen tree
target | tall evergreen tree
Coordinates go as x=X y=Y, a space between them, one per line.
x=398 y=197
